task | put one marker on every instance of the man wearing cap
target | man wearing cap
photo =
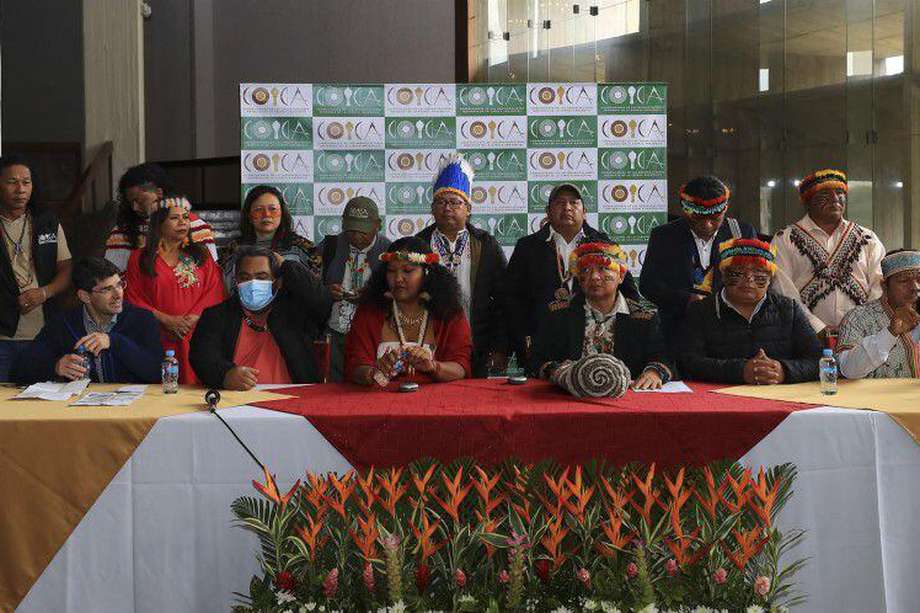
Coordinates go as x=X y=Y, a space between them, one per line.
x=829 y=263
x=682 y=260
x=744 y=333
x=475 y=258
x=881 y=339
x=347 y=262
x=538 y=279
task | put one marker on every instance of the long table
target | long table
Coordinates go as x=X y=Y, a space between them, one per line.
x=160 y=537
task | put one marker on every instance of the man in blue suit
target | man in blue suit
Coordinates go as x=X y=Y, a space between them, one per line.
x=682 y=260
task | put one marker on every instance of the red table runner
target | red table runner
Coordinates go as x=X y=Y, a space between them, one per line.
x=492 y=421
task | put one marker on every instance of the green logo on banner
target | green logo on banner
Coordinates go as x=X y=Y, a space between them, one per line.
x=633 y=163
x=630 y=227
x=421 y=132
x=498 y=164
x=492 y=99
x=342 y=100
x=325 y=225
x=348 y=166
x=562 y=131
x=414 y=197
x=632 y=98
x=298 y=196
x=506 y=228
x=276 y=132
x=538 y=194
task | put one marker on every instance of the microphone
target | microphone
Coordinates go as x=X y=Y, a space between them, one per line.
x=211 y=398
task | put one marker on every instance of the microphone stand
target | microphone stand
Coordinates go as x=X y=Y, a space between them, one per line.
x=212 y=397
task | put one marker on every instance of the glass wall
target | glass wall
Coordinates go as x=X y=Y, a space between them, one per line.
x=761 y=92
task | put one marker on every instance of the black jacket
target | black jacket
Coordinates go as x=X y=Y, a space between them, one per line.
x=44 y=255
x=532 y=280
x=667 y=273
x=488 y=296
x=134 y=354
x=298 y=315
x=637 y=337
x=717 y=341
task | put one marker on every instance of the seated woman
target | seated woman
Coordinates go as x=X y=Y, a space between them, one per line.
x=881 y=339
x=410 y=323
x=601 y=320
x=175 y=279
x=745 y=333
x=266 y=221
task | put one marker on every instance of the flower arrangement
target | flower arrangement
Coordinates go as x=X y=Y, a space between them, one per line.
x=413 y=257
x=517 y=537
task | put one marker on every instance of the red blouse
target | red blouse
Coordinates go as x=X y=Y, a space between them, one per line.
x=453 y=341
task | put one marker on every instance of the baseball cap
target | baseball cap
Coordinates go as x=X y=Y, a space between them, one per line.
x=564 y=187
x=360 y=215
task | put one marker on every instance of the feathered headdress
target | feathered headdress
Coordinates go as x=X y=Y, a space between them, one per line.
x=455 y=175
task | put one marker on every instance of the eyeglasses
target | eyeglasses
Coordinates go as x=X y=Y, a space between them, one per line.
x=110 y=289
x=734 y=277
x=450 y=204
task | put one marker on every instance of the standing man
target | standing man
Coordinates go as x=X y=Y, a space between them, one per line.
x=141 y=190
x=538 y=279
x=682 y=260
x=348 y=259
x=34 y=262
x=829 y=263
x=475 y=258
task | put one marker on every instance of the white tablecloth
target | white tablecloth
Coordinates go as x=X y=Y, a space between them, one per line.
x=160 y=538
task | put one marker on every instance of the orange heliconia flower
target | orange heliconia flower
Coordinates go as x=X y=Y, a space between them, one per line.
x=270 y=489
x=371 y=493
x=316 y=488
x=749 y=545
x=675 y=488
x=366 y=541
x=456 y=494
x=581 y=494
x=393 y=489
x=740 y=489
x=711 y=502
x=310 y=534
x=344 y=488
x=485 y=485
x=650 y=495
x=421 y=483
x=552 y=540
x=613 y=530
x=617 y=498
x=767 y=499
x=424 y=536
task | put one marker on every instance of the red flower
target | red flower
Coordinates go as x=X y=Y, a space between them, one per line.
x=285 y=581
x=584 y=577
x=632 y=570
x=422 y=578
x=368 y=577
x=504 y=577
x=671 y=567
x=541 y=566
x=331 y=583
x=720 y=576
x=460 y=578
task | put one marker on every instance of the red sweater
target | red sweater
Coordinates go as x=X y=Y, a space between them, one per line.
x=453 y=342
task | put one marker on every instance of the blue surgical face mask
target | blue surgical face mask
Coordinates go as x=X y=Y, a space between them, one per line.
x=255 y=295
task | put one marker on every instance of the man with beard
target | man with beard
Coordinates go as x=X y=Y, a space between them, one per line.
x=141 y=190
x=539 y=280
x=829 y=263
x=121 y=341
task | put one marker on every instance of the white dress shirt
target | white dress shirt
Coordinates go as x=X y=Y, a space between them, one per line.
x=343 y=311
x=704 y=248
x=565 y=248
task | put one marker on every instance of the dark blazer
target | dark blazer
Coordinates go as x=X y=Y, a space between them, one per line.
x=637 y=343
x=532 y=280
x=299 y=313
x=487 y=312
x=717 y=341
x=667 y=273
x=134 y=354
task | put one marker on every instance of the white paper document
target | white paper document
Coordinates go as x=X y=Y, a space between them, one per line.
x=122 y=397
x=672 y=387
x=53 y=391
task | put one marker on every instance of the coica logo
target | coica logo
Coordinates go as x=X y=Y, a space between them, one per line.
x=570 y=128
x=642 y=194
x=406 y=161
x=575 y=161
x=632 y=95
x=629 y=225
x=572 y=95
x=288 y=129
x=348 y=99
x=629 y=162
x=501 y=97
x=365 y=164
x=498 y=161
x=398 y=227
x=499 y=195
x=336 y=196
x=359 y=130
x=279 y=162
x=420 y=129
x=646 y=128
x=326 y=226
x=431 y=95
x=417 y=195
x=491 y=129
x=279 y=97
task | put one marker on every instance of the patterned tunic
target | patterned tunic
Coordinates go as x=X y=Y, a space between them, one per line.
x=858 y=334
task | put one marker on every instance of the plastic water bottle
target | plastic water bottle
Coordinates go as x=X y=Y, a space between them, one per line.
x=170 y=372
x=87 y=363
x=827 y=370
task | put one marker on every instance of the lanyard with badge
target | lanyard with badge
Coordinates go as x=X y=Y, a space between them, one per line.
x=562 y=297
